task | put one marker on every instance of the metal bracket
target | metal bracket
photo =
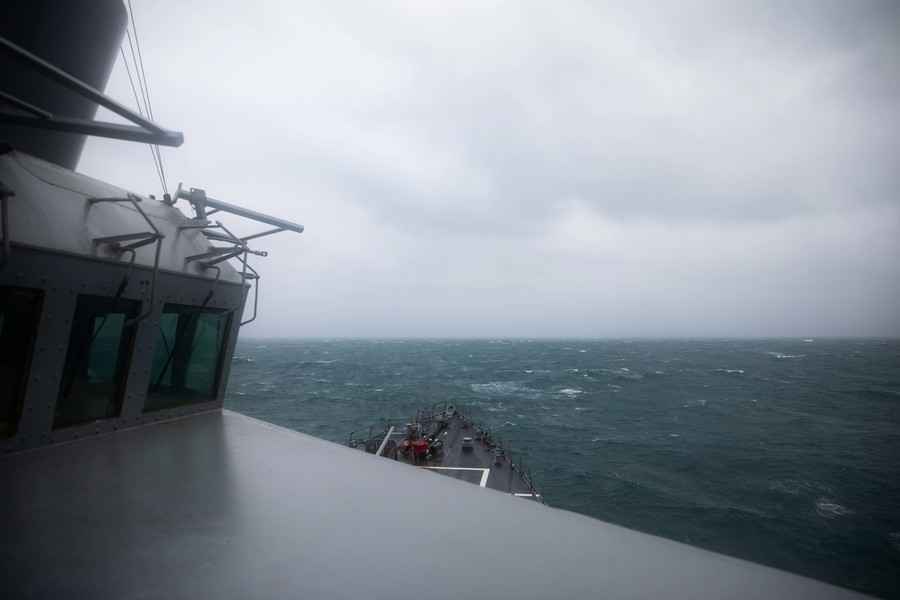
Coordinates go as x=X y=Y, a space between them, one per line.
x=204 y=206
x=220 y=254
x=142 y=238
x=142 y=130
x=216 y=256
x=200 y=201
x=200 y=224
x=253 y=275
x=26 y=106
x=215 y=252
x=262 y=233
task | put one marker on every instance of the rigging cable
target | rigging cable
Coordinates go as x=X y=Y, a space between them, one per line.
x=148 y=109
x=146 y=86
x=140 y=74
x=137 y=43
x=137 y=75
x=141 y=112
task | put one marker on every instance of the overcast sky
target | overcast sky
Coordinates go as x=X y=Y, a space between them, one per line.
x=542 y=169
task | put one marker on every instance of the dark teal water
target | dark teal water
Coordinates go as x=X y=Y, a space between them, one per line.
x=784 y=452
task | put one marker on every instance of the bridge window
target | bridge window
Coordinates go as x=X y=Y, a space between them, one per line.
x=100 y=346
x=20 y=311
x=187 y=358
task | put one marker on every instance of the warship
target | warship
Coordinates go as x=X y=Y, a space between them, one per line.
x=121 y=473
x=444 y=440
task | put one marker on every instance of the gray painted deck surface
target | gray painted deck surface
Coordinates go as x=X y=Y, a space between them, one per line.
x=470 y=466
x=223 y=506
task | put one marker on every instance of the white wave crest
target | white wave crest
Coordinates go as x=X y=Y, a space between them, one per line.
x=504 y=388
x=829 y=509
x=623 y=373
x=782 y=356
x=570 y=392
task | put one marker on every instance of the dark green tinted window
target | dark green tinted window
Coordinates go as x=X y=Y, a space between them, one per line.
x=97 y=360
x=20 y=310
x=187 y=356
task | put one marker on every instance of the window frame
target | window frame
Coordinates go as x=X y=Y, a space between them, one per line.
x=19 y=389
x=184 y=397
x=102 y=308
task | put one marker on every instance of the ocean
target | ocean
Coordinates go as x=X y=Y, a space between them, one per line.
x=785 y=452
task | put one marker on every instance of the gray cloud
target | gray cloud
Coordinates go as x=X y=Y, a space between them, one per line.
x=522 y=169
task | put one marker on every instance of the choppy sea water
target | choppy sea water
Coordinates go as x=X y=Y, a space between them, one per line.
x=784 y=452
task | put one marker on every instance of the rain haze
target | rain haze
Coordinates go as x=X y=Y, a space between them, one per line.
x=541 y=169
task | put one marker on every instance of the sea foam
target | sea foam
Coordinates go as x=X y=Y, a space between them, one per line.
x=570 y=392
x=731 y=371
x=829 y=509
x=782 y=356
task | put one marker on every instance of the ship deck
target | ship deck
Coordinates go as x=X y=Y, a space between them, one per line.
x=219 y=505
x=477 y=465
